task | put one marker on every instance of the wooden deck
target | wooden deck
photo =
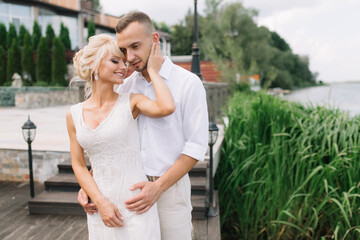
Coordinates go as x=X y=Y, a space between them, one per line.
x=17 y=223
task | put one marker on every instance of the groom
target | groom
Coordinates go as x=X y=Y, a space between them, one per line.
x=170 y=146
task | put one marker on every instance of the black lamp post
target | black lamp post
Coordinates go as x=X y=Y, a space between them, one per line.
x=29 y=131
x=213 y=135
x=195 y=63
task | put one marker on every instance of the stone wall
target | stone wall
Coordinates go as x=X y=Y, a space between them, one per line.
x=46 y=97
x=14 y=164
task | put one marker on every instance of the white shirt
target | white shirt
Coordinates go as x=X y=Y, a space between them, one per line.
x=162 y=140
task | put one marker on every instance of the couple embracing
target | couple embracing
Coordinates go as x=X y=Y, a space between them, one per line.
x=143 y=134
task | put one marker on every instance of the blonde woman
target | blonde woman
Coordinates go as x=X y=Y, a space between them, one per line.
x=105 y=127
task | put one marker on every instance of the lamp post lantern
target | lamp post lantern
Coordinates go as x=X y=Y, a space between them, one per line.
x=29 y=131
x=213 y=135
x=195 y=62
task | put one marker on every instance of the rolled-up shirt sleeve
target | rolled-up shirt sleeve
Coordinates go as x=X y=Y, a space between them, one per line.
x=195 y=120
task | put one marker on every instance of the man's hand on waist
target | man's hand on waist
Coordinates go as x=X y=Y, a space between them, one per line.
x=150 y=193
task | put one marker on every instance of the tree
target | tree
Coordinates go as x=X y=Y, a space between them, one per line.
x=234 y=42
x=182 y=36
x=97 y=5
x=11 y=35
x=3 y=34
x=64 y=36
x=27 y=61
x=14 y=60
x=279 y=42
x=58 y=67
x=2 y=66
x=91 y=29
x=49 y=35
x=36 y=35
x=22 y=33
x=43 y=67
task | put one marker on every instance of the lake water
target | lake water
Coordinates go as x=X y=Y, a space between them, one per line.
x=345 y=96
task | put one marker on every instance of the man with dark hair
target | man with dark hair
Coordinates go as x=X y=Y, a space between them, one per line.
x=170 y=146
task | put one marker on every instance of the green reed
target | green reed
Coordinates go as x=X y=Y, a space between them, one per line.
x=288 y=171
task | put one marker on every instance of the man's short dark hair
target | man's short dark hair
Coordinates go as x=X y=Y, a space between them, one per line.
x=135 y=16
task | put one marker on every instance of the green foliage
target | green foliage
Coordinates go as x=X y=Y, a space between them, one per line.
x=58 y=67
x=14 y=60
x=49 y=35
x=22 y=33
x=279 y=42
x=43 y=67
x=65 y=37
x=288 y=171
x=11 y=35
x=36 y=35
x=97 y=5
x=2 y=66
x=233 y=41
x=91 y=29
x=161 y=26
x=27 y=61
x=182 y=35
x=3 y=34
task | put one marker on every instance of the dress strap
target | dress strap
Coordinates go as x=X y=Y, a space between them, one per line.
x=76 y=114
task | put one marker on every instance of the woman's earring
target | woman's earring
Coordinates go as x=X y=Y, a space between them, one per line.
x=96 y=76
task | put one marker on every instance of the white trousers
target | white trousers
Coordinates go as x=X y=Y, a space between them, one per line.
x=174 y=207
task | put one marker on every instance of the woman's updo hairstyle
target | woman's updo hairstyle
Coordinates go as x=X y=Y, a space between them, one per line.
x=87 y=60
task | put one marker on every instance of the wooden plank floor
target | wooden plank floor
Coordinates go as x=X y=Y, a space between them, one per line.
x=16 y=223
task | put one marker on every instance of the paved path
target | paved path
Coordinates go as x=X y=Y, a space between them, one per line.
x=51 y=133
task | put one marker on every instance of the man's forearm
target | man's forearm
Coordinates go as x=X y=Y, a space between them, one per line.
x=182 y=166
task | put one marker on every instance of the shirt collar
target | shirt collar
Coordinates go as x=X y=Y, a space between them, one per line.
x=164 y=70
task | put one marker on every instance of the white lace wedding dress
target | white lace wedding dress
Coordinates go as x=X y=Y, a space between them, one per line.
x=114 y=153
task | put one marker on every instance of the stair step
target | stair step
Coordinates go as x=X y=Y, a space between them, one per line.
x=67 y=182
x=200 y=169
x=56 y=202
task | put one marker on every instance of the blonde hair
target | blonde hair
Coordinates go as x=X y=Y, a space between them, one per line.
x=87 y=60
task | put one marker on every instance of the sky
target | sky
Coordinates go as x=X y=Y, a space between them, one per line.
x=327 y=31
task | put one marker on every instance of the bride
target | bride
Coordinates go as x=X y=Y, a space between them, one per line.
x=105 y=127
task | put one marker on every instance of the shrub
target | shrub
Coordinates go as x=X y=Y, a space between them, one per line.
x=3 y=34
x=49 y=35
x=22 y=33
x=14 y=60
x=27 y=61
x=43 y=66
x=91 y=28
x=58 y=67
x=2 y=66
x=64 y=36
x=10 y=35
x=36 y=35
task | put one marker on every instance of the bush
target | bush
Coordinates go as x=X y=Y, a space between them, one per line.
x=27 y=61
x=23 y=31
x=58 y=67
x=14 y=60
x=64 y=36
x=41 y=84
x=91 y=28
x=36 y=35
x=2 y=66
x=43 y=66
x=3 y=34
x=49 y=35
x=10 y=35
x=288 y=172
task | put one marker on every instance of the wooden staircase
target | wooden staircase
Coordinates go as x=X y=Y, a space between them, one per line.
x=60 y=195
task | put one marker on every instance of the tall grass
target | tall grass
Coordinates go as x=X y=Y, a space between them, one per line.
x=288 y=171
